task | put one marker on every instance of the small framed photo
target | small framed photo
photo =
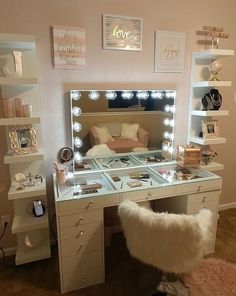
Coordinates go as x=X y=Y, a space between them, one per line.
x=122 y=32
x=210 y=129
x=169 y=51
x=23 y=139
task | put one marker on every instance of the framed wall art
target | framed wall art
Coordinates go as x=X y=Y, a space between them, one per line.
x=122 y=32
x=23 y=139
x=169 y=51
x=210 y=129
x=69 y=47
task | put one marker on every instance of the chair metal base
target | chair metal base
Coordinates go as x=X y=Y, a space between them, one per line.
x=172 y=288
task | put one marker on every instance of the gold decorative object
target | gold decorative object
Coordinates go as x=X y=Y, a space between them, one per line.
x=215 y=33
x=188 y=155
x=23 y=139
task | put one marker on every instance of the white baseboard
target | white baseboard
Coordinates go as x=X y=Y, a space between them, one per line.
x=8 y=252
x=227 y=206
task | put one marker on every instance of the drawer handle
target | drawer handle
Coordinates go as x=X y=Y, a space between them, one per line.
x=204 y=199
x=79 y=222
x=80 y=248
x=84 y=280
x=149 y=195
x=199 y=188
x=80 y=234
x=89 y=205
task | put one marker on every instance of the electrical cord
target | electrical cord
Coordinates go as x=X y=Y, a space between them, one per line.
x=1 y=249
x=4 y=230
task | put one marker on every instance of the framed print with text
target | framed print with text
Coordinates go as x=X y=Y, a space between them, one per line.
x=169 y=51
x=122 y=32
x=69 y=47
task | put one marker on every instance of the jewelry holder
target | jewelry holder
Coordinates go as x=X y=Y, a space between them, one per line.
x=212 y=100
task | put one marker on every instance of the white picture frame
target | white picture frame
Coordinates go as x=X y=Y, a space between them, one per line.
x=169 y=51
x=210 y=129
x=122 y=32
x=69 y=47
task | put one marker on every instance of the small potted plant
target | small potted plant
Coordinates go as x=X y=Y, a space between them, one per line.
x=207 y=155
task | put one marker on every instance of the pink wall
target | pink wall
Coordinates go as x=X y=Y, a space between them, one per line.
x=110 y=68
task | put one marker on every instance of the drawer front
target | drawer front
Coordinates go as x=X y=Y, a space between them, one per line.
x=195 y=208
x=137 y=195
x=80 y=219
x=84 y=243
x=203 y=198
x=85 y=204
x=198 y=186
x=161 y=192
x=73 y=280
x=81 y=230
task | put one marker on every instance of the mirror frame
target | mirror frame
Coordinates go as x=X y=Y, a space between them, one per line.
x=75 y=95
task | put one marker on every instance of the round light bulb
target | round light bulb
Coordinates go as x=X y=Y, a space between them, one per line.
x=77 y=126
x=127 y=95
x=142 y=95
x=75 y=95
x=110 y=95
x=77 y=157
x=76 y=111
x=94 y=95
x=157 y=94
x=78 y=142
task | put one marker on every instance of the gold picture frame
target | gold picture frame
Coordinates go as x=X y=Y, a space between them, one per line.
x=210 y=129
x=23 y=139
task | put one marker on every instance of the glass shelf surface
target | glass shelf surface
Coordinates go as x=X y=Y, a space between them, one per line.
x=151 y=157
x=85 y=185
x=116 y=162
x=175 y=173
x=135 y=179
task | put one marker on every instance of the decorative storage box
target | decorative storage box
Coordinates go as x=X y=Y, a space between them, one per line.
x=188 y=155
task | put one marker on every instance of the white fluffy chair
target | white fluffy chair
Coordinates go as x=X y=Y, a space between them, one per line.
x=171 y=242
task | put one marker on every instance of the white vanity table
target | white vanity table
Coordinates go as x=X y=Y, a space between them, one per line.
x=80 y=213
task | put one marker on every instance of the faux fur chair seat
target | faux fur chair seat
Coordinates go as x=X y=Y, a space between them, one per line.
x=172 y=242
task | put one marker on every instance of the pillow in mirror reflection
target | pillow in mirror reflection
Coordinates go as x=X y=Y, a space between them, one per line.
x=33 y=239
x=130 y=131
x=113 y=127
x=104 y=135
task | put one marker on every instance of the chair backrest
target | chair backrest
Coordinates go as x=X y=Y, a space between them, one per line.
x=171 y=242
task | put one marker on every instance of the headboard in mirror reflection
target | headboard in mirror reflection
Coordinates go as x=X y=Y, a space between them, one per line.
x=124 y=120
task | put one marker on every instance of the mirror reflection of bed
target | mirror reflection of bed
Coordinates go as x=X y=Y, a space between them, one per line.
x=125 y=121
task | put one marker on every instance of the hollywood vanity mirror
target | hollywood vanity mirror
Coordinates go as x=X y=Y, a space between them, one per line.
x=128 y=122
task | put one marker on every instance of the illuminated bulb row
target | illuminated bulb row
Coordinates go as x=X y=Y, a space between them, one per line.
x=169 y=122
x=126 y=95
